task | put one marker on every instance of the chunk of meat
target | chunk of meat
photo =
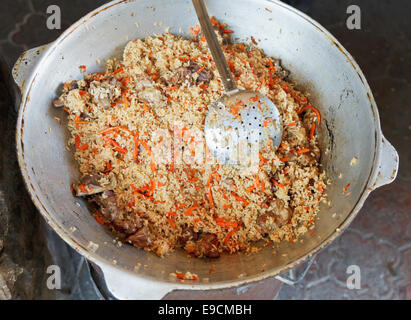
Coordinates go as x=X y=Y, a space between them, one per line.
x=278 y=216
x=188 y=234
x=89 y=185
x=127 y=226
x=206 y=246
x=310 y=158
x=106 y=92
x=58 y=103
x=107 y=204
x=181 y=75
x=281 y=73
x=73 y=85
x=141 y=238
x=186 y=74
x=205 y=74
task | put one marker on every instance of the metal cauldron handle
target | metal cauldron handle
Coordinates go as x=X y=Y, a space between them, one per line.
x=387 y=165
x=25 y=64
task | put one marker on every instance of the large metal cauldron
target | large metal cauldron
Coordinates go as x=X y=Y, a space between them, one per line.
x=350 y=128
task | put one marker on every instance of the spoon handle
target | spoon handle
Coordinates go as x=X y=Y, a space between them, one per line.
x=214 y=46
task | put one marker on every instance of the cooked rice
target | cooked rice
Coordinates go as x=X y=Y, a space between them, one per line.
x=287 y=190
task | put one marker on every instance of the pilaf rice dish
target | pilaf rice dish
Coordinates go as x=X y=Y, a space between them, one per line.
x=137 y=133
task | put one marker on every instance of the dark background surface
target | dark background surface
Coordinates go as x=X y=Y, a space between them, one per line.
x=379 y=239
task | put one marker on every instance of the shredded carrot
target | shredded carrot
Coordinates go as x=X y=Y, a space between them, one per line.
x=83 y=188
x=172 y=88
x=118 y=70
x=82 y=92
x=125 y=81
x=250 y=188
x=189 y=211
x=255 y=98
x=146 y=107
x=228 y=31
x=227 y=238
x=312 y=108
x=253 y=40
x=241 y=199
x=276 y=183
x=195 y=222
x=201 y=69
x=285 y=159
x=170 y=220
x=77 y=141
x=83 y=147
x=83 y=68
x=346 y=187
x=99 y=220
x=312 y=131
x=135 y=146
x=227 y=206
x=180 y=275
x=312 y=232
x=291 y=124
x=262 y=186
x=152 y=162
x=304 y=150
x=116 y=146
x=125 y=100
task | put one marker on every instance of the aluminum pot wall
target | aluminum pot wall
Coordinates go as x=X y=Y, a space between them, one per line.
x=350 y=128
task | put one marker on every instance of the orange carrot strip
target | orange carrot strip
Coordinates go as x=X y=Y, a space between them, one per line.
x=116 y=146
x=230 y=234
x=77 y=141
x=152 y=162
x=312 y=131
x=170 y=220
x=99 y=220
x=83 y=147
x=304 y=150
x=314 y=109
x=201 y=69
x=135 y=146
x=118 y=70
x=241 y=199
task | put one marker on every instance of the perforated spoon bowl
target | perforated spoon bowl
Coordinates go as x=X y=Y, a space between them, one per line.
x=239 y=122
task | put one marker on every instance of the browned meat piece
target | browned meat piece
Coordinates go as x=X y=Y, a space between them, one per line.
x=107 y=204
x=205 y=75
x=127 y=226
x=207 y=246
x=310 y=158
x=181 y=75
x=89 y=185
x=278 y=216
x=141 y=238
x=73 y=85
x=281 y=73
x=188 y=234
x=58 y=103
x=184 y=74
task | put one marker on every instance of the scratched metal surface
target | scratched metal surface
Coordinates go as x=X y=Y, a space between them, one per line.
x=385 y=274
